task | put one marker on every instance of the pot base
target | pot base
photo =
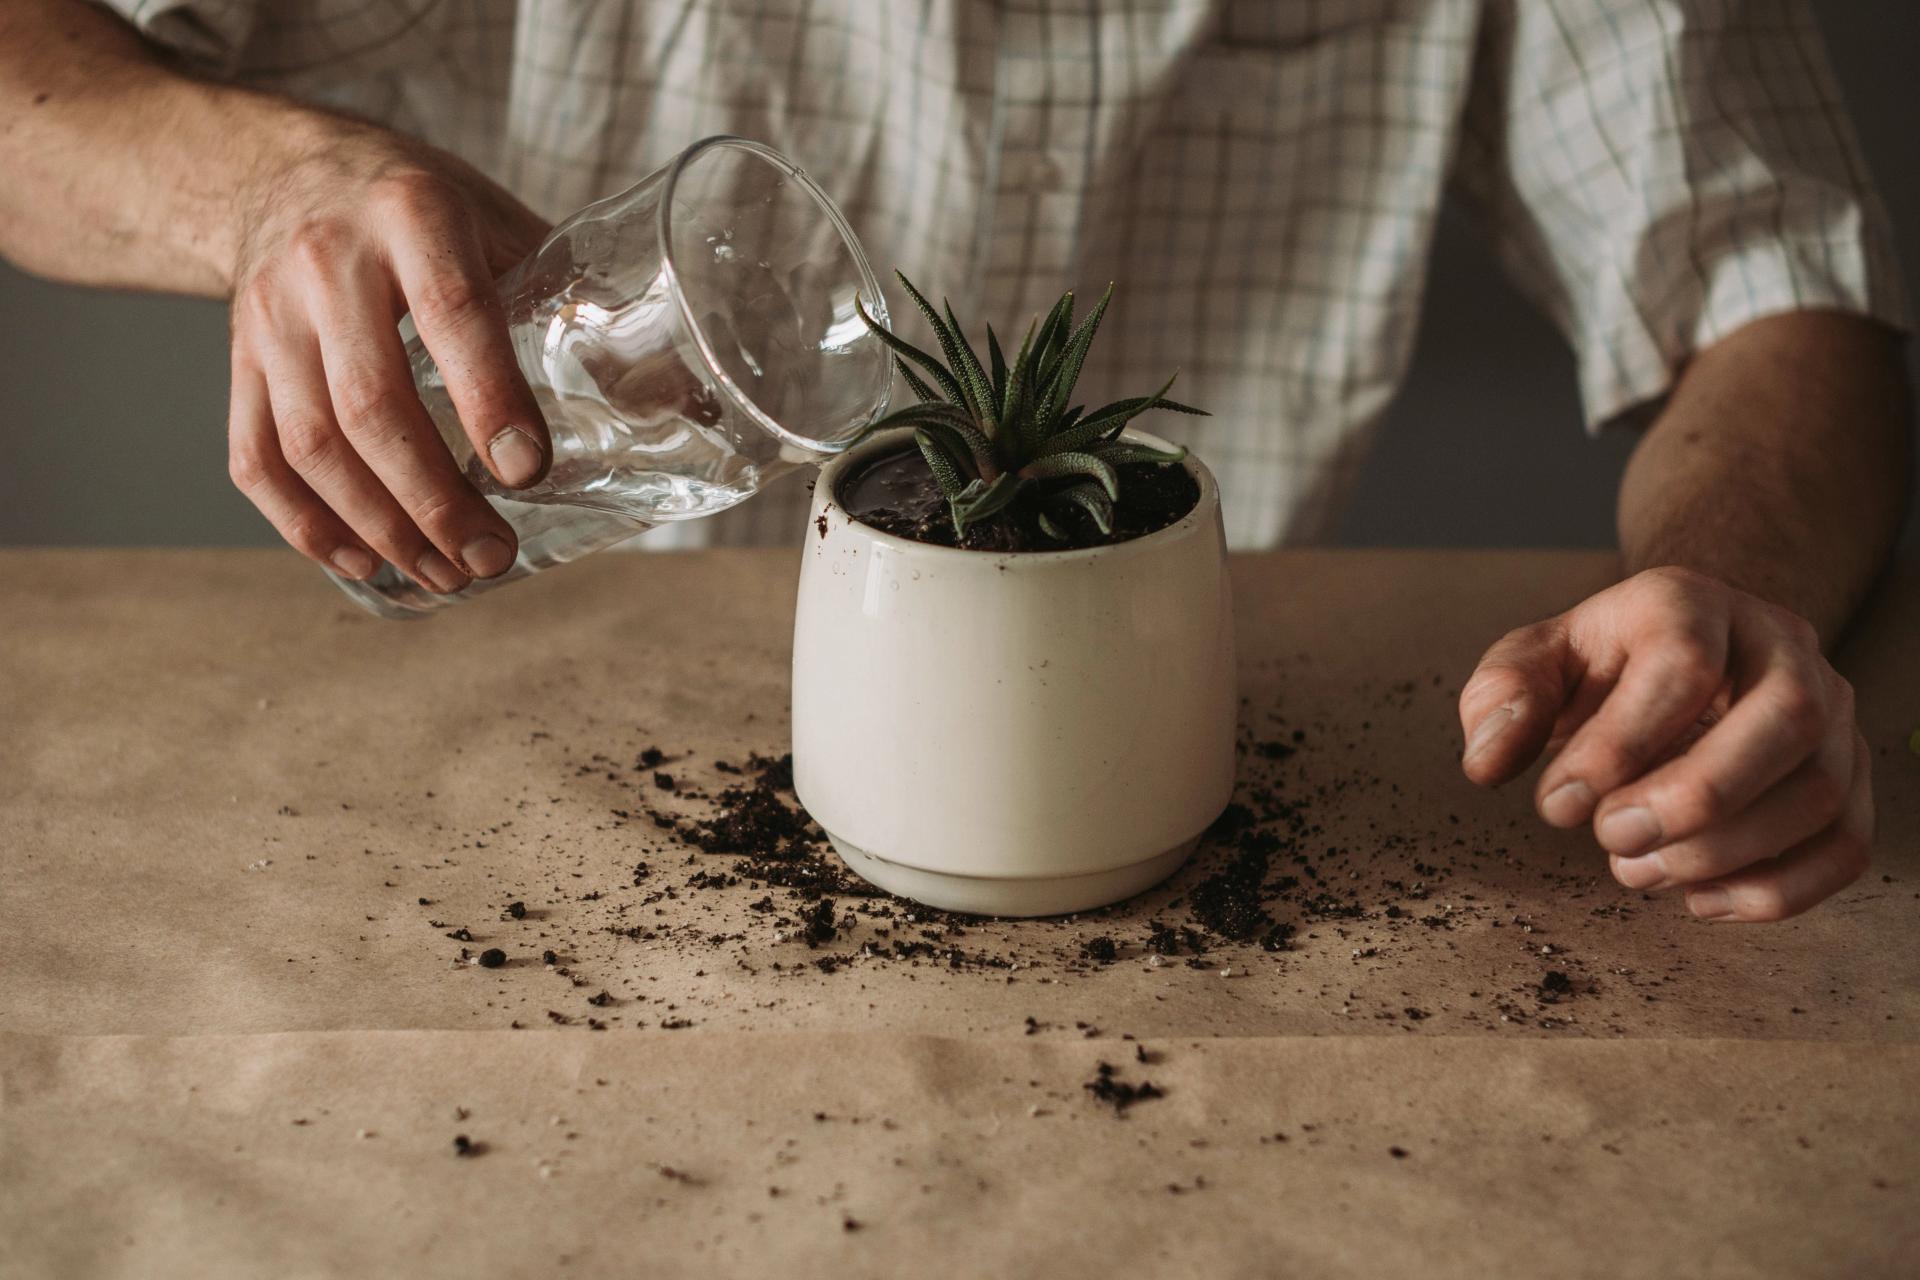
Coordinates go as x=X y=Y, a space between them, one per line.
x=1005 y=896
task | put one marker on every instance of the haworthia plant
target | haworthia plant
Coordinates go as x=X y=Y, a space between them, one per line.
x=1006 y=431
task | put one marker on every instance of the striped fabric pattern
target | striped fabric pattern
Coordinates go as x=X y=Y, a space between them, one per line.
x=1261 y=176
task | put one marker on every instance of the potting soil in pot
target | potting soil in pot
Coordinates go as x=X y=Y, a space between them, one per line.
x=897 y=494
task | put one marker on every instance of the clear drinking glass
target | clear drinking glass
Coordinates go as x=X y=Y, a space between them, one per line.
x=688 y=340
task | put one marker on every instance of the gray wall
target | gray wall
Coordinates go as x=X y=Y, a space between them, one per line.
x=112 y=407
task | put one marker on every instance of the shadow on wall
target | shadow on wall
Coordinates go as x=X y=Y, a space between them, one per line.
x=115 y=405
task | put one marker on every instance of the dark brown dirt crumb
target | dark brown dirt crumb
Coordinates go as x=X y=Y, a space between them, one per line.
x=751 y=820
x=1170 y=940
x=493 y=958
x=1398 y=1153
x=780 y=845
x=1230 y=902
x=1120 y=1094
x=467 y=1147
x=820 y=923
x=774 y=771
x=516 y=911
x=1101 y=950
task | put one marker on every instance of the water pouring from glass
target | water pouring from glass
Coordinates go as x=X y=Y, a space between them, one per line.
x=688 y=341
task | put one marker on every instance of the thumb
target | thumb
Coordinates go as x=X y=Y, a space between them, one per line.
x=1510 y=704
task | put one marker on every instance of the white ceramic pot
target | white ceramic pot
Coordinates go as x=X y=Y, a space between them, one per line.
x=1012 y=734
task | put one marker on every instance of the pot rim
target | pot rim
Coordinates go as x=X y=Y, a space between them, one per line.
x=1202 y=510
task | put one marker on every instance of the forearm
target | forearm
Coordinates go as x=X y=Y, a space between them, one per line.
x=1779 y=465
x=120 y=170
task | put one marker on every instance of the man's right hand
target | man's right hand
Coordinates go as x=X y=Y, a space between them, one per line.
x=327 y=435
x=324 y=231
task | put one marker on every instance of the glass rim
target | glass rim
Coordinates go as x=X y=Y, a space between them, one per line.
x=875 y=301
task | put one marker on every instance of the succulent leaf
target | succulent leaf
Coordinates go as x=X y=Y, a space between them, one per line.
x=1121 y=451
x=926 y=393
x=1090 y=498
x=903 y=349
x=973 y=376
x=984 y=499
x=1075 y=464
x=944 y=417
x=1059 y=389
x=1053 y=335
x=947 y=471
x=949 y=347
x=1106 y=421
x=996 y=368
x=1078 y=434
x=1016 y=394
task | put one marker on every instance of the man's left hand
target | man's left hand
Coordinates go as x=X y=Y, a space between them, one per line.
x=1705 y=738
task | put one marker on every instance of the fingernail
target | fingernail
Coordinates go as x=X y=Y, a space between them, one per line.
x=1568 y=804
x=1711 y=904
x=516 y=458
x=487 y=556
x=440 y=573
x=1643 y=872
x=351 y=562
x=1627 y=831
x=1491 y=726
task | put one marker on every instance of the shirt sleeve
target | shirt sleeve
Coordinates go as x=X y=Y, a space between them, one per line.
x=208 y=34
x=1657 y=173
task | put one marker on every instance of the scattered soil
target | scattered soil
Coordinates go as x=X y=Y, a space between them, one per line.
x=1119 y=1094
x=1232 y=901
x=819 y=924
x=896 y=494
x=1321 y=880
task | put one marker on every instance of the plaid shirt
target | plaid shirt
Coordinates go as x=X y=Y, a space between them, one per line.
x=1261 y=176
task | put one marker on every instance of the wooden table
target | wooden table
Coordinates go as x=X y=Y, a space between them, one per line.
x=239 y=821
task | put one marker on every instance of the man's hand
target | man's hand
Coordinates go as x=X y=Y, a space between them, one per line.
x=1706 y=739
x=120 y=170
x=327 y=435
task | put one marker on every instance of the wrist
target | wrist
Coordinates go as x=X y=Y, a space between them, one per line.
x=272 y=139
x=1779 y=466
